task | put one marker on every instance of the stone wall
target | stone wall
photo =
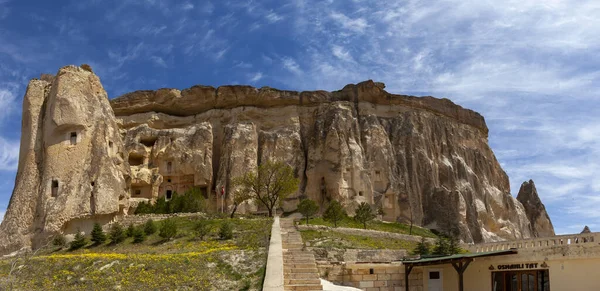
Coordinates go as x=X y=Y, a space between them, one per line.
x=142 y=218
x=371 y=277
x=366 y=232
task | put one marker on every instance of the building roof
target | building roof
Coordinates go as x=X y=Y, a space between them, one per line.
x=456 y=258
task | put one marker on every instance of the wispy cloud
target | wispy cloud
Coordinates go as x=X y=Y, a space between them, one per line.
x=356 y=25
x=255 y=77
x=291 y=65
x=273 y=17
x=9 y=155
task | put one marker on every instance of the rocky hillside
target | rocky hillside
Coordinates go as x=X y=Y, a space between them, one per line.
x=418 y=158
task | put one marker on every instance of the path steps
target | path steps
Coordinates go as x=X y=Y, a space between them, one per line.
x=299 y=267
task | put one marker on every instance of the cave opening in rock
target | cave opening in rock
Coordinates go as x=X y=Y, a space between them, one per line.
x=148 y=141
x=169 y=194
x=54 y=188
x=135 y=159
x=73 y=138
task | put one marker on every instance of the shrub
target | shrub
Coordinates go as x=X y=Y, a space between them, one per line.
x=149 y=227
x=202 y=228
x=364 y=214
x=144 y=208
x=98 y=235
x=116 y=233
x=130 y=230
x=86 y=67
x=79 y=241
x=226 y=230
x=308 y=208
x=138 y=235
x=334 y=213
x=442 y=246
x=59 y=240
x=422 y=248
x=168 y=229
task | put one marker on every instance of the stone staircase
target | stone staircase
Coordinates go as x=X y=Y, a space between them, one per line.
x=299 y=268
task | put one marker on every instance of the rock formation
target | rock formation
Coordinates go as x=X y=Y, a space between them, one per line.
x=541 y=226
x=586 y=229
x=420 y=159
x=70 y=167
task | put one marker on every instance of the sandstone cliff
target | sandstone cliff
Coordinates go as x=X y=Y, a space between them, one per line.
x=70 y=169
x=541 y=226
x=420 y=159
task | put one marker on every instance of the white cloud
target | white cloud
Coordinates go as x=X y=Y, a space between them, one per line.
x=291 y=65
x=341 y=53
x=9 y=154
x=255 y=77
x=159 y=61
x=2 y=212
x=356 y=25
x=187 y=6
x=273 y=17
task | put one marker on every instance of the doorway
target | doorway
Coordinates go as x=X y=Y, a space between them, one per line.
x=435 y=280
x=530 y=280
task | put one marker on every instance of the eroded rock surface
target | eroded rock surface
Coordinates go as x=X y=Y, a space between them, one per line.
x=541 y=226
x=70 y=170
x=420 y=159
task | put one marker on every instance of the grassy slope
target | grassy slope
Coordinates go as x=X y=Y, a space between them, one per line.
x=332 y=239
x=184 y=263
x=375 y=225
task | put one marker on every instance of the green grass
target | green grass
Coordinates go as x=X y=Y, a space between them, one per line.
x=330 y=239
x=394 y=227
x=184 y=263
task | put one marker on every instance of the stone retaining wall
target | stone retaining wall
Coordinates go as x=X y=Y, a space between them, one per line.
x=371 y=277
x=138 y=219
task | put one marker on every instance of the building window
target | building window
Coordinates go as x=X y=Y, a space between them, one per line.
x=54 y=188
x=371 y=271
x=169 y=167
x=169 y=180
x=137 y=192
x=360 y=193
x=73 y=138
x=168 y=195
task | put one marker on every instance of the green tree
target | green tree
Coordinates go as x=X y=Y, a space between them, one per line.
x=422 y=248
x=138 y=235
x=226 y=230
x=144 y=208
x=116 y=233
x=79 y=241
x=149 y=227
x=364 y=214
x=130 y=229
x=202 y=228
x=308 y=208
x=239 y=198
x=168 y=229
x=269 y=184
x=334 y=213
x=98 y=235
x=453 y=245
x=59 y=240
x=442 y=246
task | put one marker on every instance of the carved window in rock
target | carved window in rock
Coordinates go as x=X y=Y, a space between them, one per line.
x=360 y=193
x=168 y=195
x=54 y=188
x=73 y=138
x=169 y=167
x=137 y=192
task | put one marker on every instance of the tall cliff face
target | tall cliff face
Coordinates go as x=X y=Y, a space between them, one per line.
x=420 y=159
x=69 y=166
x=541 y=226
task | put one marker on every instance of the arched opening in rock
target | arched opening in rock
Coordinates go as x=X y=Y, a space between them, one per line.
x=148 y=141
x=135 y=159
x=168 y=195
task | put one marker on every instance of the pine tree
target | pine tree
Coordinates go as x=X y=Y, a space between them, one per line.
x=149 y=227
x=442 y=247
x=79 y=241
x=98 y=235
x=138 y=235
x=308 y=208
x=168 y=229
x=364 y=214
x=225 y=231
x=422 y=248
x=334 y=213
x=130 y=229
x=116 y=233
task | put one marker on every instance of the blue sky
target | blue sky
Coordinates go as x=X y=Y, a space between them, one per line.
x=531 y=69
